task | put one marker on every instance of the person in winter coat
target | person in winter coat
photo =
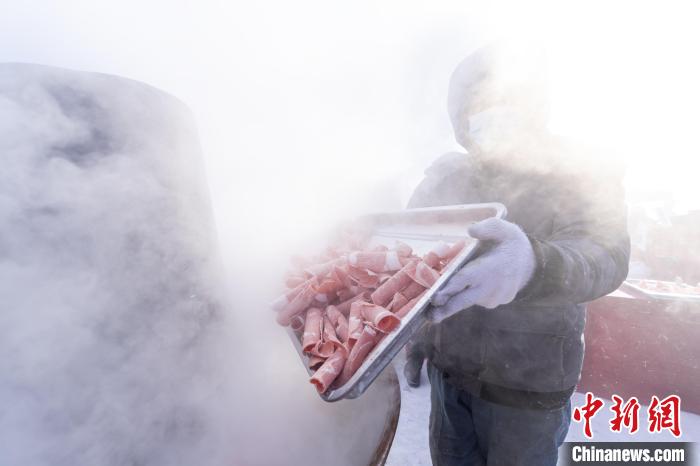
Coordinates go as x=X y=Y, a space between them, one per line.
x=506 y=345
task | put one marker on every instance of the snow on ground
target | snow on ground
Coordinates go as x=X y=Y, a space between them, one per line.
x=410 y=445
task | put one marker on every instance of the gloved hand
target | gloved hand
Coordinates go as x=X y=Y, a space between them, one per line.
x=492 y=279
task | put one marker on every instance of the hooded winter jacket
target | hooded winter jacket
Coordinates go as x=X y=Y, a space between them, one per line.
x=529 y=353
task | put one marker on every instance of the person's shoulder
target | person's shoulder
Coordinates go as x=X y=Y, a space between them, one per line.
x=586 y=160
x=448 y=164
x=437 y=186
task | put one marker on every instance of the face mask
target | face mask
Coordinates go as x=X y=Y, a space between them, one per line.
x=497 y=129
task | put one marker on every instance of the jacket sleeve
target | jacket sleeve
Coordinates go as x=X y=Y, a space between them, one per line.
x=587 y=254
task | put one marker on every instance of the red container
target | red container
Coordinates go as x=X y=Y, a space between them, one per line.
x=640 y=346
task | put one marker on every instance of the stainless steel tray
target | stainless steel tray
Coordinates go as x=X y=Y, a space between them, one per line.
x=636 y=284
x=421 y=229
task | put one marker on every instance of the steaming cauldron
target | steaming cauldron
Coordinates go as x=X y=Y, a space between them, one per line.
x=124 y=348
x=382 y=451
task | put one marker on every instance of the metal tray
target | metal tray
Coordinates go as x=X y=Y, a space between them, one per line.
x=421 y=229
x=635 y=284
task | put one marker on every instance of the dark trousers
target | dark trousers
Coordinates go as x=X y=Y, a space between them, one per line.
x=466 y=430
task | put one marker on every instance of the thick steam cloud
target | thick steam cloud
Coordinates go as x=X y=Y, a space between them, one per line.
x=119 y=344
x=107 y=277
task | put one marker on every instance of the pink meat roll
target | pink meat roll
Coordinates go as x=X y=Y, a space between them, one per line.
x=365 y=343
x=397 y=302
x=381 y=318
x=312 y=330
x=329 y=341
x=400 y=280
x=436 y=255
x=339 y=321
x=345 y=294
x=363 y=278
x=401 y=313
x=403 y=249
x=323 y=269
x=329 y=286
x=340 y=274
x=300 y=303
x=344 y=306
x=412 y=290
x=375 y=261
x=455 y=250
x=315 y=362
x=284 y=300
x=425 y=275
x=328 y=372
x=294 y=281
x=355 y=322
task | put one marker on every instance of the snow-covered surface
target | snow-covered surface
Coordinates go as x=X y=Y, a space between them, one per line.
x=410 y=445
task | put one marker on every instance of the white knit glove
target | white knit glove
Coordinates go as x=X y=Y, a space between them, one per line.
x=494 y=278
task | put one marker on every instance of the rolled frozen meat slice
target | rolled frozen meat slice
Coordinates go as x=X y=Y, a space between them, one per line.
x=365 y=343
x=400 y=280
x=345 y=294
x=403 y=249
x=323 y=269
x=401 y=313
x=363 y=278
x=380 y=318
x=340 y=274
x=375 y=261
x=329 y=340
x=344 y=306
x=284 y=300
x=412 y=290
x=437 y=254
x=355 y=322
x=315 y=362
x=397 y=302
x=328 y=372
x=339 y=321
x=329 y=286
x=312 y=330
x=294 y=281
x=425 y=275
x=300 y=303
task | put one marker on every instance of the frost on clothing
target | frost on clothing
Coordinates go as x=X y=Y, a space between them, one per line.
x=530 y=352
